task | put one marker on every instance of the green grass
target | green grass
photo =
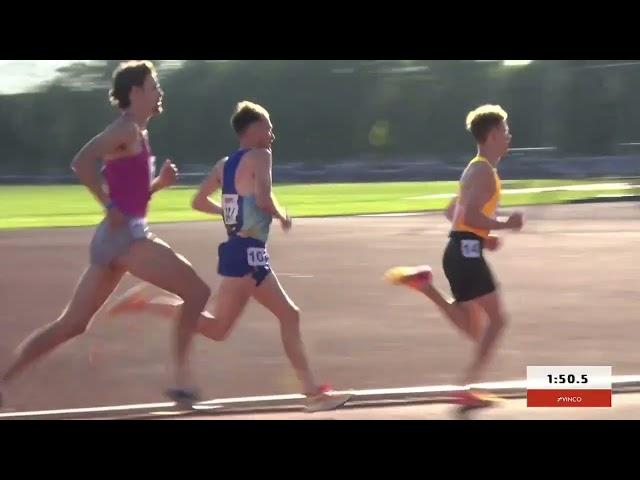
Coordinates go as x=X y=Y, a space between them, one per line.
x=72 y=205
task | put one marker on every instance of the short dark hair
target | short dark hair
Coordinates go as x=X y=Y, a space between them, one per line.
x=245 y=114
x=481 y=120
x=125 y=77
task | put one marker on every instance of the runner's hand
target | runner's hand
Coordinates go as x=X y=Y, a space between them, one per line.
x=492 y=243
x=168 y=173
x=286 y=223
x=515 y=221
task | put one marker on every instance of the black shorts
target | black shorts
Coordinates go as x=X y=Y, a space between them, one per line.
x=465 y=267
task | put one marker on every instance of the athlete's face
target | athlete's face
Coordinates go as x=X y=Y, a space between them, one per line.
x=263 y=133
x=150 y=95
x=501 y=138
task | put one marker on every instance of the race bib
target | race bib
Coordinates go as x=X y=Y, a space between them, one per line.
x=152 y=168
x=470 y=248
x=257 y=257
x=139 y=228
x=230 y=209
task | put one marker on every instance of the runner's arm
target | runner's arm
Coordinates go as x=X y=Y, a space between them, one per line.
x=167 y=177
x=211 y=185
x=265 y=198
x=85 y=163
x=451 y=209
x=481 y=187
x=491 y=243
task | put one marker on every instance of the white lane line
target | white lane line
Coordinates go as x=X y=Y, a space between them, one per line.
x=218 y=403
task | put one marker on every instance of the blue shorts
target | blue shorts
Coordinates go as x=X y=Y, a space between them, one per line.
x=240 y=256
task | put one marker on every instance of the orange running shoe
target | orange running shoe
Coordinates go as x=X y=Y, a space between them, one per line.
x=412 y=277
x=472 y=399
x=133 y=300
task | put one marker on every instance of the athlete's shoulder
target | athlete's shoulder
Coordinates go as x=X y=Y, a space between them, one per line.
x=260 y=154
x=477 y=174
x=479 y=168
x=117 y=137
x=124 y=126
x=218 y=167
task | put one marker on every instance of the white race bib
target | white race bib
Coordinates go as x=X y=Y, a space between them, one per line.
x=152 y=168
x=230 y=208
x=257 y=257
x=139 y=228
x=470 y=248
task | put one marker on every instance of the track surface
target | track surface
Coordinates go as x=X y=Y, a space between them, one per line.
x=625 y=407
x=569 y=282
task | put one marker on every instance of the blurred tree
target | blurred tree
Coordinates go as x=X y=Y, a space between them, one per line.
x=327 y=110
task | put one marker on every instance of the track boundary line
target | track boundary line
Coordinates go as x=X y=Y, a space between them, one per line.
x=371 y=397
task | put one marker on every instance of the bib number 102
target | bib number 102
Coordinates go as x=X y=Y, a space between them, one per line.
x=257 y=257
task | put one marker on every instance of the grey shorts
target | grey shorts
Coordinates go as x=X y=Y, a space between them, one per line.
x=109 y=243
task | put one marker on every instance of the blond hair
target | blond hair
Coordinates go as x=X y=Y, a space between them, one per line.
x=245 y=113
x=483 y=119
